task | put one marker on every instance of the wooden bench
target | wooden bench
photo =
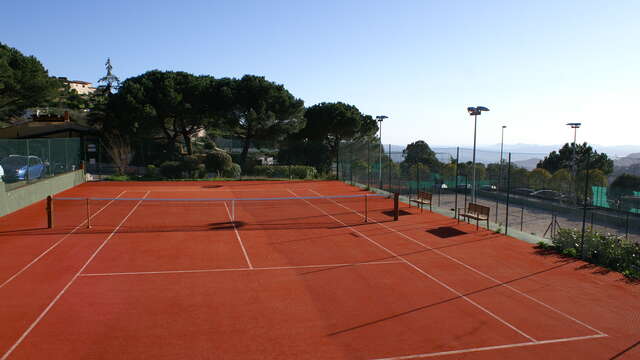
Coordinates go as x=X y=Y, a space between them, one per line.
x=424 y=198
x=476 y=212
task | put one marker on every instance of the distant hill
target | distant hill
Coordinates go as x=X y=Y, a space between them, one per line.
x=528 y=164
x=629 y=164
x=628 y=160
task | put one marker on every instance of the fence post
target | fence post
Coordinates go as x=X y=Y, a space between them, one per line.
x=626 y=228
x=506 y=222
x=390 y=163
x=455 y=189
x=417 y=178
x=368 y=167
x=584 y=207
x=338 y=161
x=26 y=173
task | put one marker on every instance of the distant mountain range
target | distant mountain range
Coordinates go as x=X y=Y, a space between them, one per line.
x=524 y=155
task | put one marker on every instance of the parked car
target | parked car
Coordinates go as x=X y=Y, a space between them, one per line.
x=488 y=188
x=548 y=195
x=463 y=187
x=523 y=191
x=15 y=167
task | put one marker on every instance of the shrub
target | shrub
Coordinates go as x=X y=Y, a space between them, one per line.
x=608 y=250
x=118 y=178
x=201 y=171
x=286 y=171
x=218 y=161
x=234 y=171
x=152 y=171
x=171 y=169
x=190 y=164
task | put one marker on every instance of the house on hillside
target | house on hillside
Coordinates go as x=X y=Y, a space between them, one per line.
x=81 y=87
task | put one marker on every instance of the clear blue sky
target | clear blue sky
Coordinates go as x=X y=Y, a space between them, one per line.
x=535 y=64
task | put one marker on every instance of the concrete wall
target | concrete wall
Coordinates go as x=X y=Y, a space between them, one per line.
x=16 y=199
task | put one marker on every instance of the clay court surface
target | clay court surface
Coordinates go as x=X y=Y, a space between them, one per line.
x=291 y=279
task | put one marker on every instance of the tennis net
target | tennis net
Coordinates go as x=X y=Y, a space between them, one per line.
x=203 y=214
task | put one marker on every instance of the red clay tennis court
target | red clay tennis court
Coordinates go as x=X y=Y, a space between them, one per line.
x=290 y=270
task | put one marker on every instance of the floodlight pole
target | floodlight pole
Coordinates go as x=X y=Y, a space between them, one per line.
x=473 y=166
x=475 y=111
x=574 y=169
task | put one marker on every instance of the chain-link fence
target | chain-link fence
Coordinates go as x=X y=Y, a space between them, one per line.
x=521 y=197
x=27 y=160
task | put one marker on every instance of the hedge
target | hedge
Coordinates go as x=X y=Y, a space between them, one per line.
x=607 y=250
x=285 y=171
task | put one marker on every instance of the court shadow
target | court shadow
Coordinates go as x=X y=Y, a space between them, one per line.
x=446 y=232
x=227 y=225
x=211 y=186
x=389 y=213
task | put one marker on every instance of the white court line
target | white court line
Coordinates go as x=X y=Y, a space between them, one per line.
x=246 y=256
x=462 y=296
x=55 y=300
x=475 y=270
x=241 y=269
x=487 y=348
x=57 y=243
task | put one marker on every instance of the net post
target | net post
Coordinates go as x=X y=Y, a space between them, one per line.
x=233 y=210
x=49 y=212
x=396 y=208
x=366 y=208
x=88 y=215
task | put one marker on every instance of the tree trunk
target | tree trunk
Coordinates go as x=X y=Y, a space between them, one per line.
x=187 y=142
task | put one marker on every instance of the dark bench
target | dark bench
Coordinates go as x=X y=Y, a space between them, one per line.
x=476 y=212
x=424 y=198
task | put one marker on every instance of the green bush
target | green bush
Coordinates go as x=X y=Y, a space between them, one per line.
x=190 y=164
x=172 y=169
x=152 y=172
x=285 y=171
x=201 y=171
x=234 y=171
x=608 y=250
x=118 y=178
x=218 y=161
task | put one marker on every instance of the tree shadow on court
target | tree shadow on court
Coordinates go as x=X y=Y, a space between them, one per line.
x=391 y=257
x=448 y=300
x=28 y=231
x=623 y=352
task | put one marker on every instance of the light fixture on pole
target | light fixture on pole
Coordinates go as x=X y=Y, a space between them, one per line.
x=474 y=111
x=501 y=157
x=380 y=118
x=575 y=126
